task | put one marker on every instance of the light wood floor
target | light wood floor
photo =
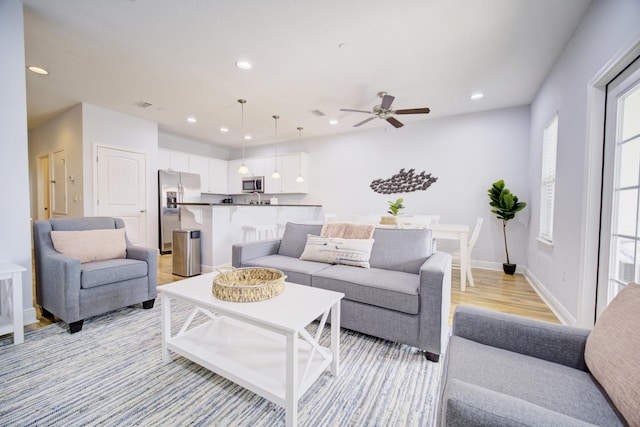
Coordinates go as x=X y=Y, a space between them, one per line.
x=493 y=290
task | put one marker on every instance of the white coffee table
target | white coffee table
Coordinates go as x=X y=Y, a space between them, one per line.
x=256 y=344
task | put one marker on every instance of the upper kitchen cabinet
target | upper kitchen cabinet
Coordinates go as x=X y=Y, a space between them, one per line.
x=200 y=165
x=218 y=176
x=256 y=168
x=173 y=160
x=213 y=173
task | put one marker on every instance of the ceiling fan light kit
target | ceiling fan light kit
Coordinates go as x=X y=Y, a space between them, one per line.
x=384 y=111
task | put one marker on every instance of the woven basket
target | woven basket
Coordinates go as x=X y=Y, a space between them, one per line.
x=248 y=284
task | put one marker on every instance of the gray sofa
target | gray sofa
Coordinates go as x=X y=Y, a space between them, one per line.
x=506 y=370
x=404 y=297
x=74 y=291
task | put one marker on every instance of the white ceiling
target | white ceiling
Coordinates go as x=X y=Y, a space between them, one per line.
x=307 y=54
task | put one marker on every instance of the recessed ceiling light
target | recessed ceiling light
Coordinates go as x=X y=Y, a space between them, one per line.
x=477 y=95
x=243 y=65
x=191 y=119
x=333 y=122
x=224 y=129
x=38 y=70
x=247 y=137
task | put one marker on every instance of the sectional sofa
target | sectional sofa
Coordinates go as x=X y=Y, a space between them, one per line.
x=404 y=296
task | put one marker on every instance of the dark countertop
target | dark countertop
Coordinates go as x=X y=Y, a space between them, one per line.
x=245 y=204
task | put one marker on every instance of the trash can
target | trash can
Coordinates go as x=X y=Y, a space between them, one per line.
x=186 y=252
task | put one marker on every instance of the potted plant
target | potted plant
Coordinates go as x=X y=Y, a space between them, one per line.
x=505 y=206
x=394 y=210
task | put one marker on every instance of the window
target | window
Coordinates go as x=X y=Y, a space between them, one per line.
x=619 y=255
x=548 y=179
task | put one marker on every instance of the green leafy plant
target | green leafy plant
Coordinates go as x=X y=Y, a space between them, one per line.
x=505 y=206
x=395 y=207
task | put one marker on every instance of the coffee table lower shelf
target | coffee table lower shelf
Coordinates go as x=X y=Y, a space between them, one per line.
x=250 y=356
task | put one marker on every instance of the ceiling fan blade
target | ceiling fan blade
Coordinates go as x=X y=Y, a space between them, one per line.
x=355 y=111
x=394 y=122
x=413 y=111
x=386 y=102
x=364 y=121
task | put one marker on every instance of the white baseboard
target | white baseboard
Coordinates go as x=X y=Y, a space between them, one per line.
x=29 y=316
x=556 y=307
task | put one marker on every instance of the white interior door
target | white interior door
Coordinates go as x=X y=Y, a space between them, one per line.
x=122 y=189
x=43 y=188
x=59 y=184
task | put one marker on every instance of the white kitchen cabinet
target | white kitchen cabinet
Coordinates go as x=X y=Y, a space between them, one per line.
x=173 y=160
x=218 y=176
x=200 y=165
x=271 y=185
x=256 y=167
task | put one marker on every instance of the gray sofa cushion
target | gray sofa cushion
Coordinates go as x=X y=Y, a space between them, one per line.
x=100 y=273
x=394 y=290
x=400 y=249
x=297 y=271
x=294 y=238
x=549 y=385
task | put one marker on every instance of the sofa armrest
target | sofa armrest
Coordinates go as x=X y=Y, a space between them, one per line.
x=243 y=252
x=544 y=340
x=435 y=302
x=465 y=404
x=150 y=256
x=59 y=287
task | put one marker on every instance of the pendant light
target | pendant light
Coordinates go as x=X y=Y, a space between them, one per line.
x=300 y=178
x=276 y=174
x=243 y=168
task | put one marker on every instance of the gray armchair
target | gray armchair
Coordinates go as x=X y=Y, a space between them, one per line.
x=74 y=291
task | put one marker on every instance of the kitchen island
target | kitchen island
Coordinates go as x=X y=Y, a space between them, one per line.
x=221 y=224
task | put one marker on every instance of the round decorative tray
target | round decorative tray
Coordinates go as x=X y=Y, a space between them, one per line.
x=248 y=284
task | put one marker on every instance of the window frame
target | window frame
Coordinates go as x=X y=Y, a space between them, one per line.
x=548 y=178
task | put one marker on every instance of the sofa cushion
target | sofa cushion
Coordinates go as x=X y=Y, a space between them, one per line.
x=104 y=272
x=612 y=355
x=297 y=271
x=294 y=238
x=91 y=245
x=393 y=290
x=400 y=249
x=552 y=386
x=336 y=250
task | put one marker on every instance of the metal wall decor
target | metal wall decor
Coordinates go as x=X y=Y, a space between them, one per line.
x=403 y=182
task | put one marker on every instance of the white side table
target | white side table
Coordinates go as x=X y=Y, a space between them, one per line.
x=11 y=301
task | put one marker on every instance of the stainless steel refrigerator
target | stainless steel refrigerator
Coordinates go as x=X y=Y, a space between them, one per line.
x=174 y=187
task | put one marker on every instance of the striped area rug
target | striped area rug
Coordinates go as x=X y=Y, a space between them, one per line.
x=111 y=374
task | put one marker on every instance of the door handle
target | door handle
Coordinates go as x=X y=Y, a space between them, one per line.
x=142 y=211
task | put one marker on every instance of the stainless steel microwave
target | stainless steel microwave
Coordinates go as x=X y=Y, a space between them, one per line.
x=253 y=184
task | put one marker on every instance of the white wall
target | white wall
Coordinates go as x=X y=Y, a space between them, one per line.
x=61 y=132
x=606 y=27
x=15 y=227
x=467 y=153
x=109 y=128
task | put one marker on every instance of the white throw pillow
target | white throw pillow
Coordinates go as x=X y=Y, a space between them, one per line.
x=336 y=250
x=91 y=245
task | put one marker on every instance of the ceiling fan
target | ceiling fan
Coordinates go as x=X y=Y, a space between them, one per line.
x=384 y=111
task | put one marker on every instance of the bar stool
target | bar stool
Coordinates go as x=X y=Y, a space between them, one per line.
x=258 y=232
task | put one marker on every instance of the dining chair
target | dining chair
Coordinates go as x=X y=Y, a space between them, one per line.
x=472 y=242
